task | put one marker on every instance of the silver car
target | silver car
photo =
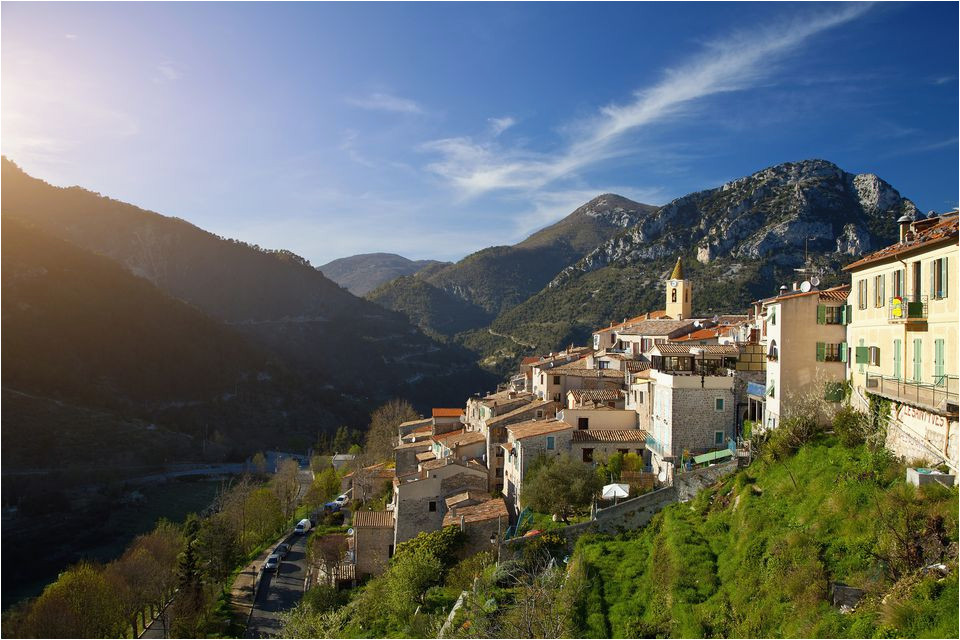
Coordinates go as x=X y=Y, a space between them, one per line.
x=272 y=563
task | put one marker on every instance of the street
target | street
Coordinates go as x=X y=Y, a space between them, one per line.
x=279 y=592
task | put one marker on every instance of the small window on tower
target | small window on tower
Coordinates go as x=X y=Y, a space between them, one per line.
x=673 y=295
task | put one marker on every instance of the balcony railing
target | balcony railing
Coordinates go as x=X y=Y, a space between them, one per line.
x=939 y=395
x=907 y=308
x=655 y=446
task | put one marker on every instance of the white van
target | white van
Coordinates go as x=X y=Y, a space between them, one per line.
x=302 y=527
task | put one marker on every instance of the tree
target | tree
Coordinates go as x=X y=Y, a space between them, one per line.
x=218 y=545
x=560 y=485
x=409 y=577
x=286 y=486
x=264 y=514
x=80 y=604
x=259 y=462
x=325 y=486
x=342 y=440
x=382 y=435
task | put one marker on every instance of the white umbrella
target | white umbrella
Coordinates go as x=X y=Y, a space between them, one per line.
x=616 y=491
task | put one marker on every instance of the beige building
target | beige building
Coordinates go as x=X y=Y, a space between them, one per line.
x=903 y=336
x=805 y=341
x=419 y=498
x=480 y=522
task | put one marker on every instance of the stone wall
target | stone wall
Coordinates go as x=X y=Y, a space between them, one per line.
x=695 y=419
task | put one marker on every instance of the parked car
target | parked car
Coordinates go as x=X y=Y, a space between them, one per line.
x=332 y=506
x=282 y=550
x=342 y=499
x=272 y=563
x=302 y=527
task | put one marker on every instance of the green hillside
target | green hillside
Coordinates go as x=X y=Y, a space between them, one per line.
x=755 y=556
x=430 y=308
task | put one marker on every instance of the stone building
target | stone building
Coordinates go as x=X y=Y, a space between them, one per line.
x=418 y=499
x=481 y=523
x=526 y=441
x=372 y=541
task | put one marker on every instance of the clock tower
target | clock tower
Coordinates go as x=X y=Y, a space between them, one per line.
x=679 y=294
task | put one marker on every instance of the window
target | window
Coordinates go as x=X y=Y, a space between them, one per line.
x=772 y=389
x=673 y=295
x=772 y=315
x=639 y=396
x=539 y=413
x=831 y=352
x=873 y=357
x=861 y=294
x=556 y=379
x=833 y=315
x=898 y=288
x=879 y=286
x=390 y=551
x=718 y=437
x=623 y=452
x=603 y=364
x=499 y=453
x=432 y=506
x=938 y=279
x=918 y=360
x=588 y=455
x=718 y=404
x=551 y=441
x=583 y=423
x=499 y=472
x=916 y=278
x=773 y=353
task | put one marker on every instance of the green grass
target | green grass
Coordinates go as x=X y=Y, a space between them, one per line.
x=754 y=555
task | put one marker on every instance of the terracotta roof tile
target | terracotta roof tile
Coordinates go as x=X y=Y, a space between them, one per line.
x=634 y=366
x=596 y=395
x=443 y=437
x=447 y=413
x=710 y=349
x=928 y=232
x=659 y=327
x=426 y=456
x=610 y=435
x=536 y=428
x=510 y=415
x=489 y=510
x=373 y=519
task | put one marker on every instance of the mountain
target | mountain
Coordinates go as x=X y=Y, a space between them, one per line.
x=332 y=338
x=364 y=272
x=495 y=279
x=739 y=241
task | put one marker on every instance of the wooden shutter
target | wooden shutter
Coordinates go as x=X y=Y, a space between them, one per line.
x=821 y=314
x=938 y=363
x=917 y=359
x=944 y=272
x=862 y=355
x=843 y=352
x=821 y=352
x=897 y=360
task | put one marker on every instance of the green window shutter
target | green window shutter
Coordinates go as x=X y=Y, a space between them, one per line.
x=943 y=277
x=933 y=279
x=821 y=352
x=773 y=315
x=843 y=352
x=938 y=364
x=917 y=359
x=862 y=355
x=821 y=314
x=897 y=360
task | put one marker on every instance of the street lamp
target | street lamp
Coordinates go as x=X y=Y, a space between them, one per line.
x=700 y=351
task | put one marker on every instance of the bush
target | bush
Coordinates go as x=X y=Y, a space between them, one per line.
x=792 y=433
x=443 y=544
x=851 y=427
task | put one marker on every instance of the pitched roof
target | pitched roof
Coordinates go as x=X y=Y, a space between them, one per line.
x=927 y=232
x=373 y=519
x=425 y=456
x=700 y=334
x=470 y=437
x=465 y=496
x=411 y=445
x=447 y=413
x=610 y=435
x=670 y=349
x=508 y=446
x=635 y=366
x=489 y=510
x=577 y=369
x=596 y=395
x=510 y=415
x=418 y=422
x=677 y=270
x=659 y=327
x=650 y=315
x=839 y=293
x=533 y=428
x=443 y=437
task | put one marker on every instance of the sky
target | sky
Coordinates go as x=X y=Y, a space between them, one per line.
x=435 y=130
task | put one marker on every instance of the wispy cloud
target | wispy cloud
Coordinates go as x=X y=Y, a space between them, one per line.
x=741 y=61
x=923 y=148
x=71 y=36
x=385 y=102
x=944 y=79
x=499 y=125
x=169 y=71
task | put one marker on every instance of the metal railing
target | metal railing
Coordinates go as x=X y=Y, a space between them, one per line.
x=655 y=446
x=939 y=395
x=907 y=308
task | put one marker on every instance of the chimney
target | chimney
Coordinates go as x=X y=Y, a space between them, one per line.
x=796 y=287
x=904 y=222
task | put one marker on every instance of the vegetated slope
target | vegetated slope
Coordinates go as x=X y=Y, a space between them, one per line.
x=755 y=556
x=431 y=308
x=364 y=272
x=276 y=297
x=84 y=336
x=739 y=242
x=475 y=290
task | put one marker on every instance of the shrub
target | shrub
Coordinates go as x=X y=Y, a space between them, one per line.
x=851 y=427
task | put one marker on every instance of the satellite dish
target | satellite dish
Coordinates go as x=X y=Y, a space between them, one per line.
x=696 y=323
x=662 y=476
x=350 y=531
x=815 y=281
x=716 y=319
x=805 y=286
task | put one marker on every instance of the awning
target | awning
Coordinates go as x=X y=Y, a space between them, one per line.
x=713 y=455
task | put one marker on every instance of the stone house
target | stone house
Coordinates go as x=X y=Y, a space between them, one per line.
x=405 y=456
x=526 y=441
x=494 y=431
x=597 y=445
x=372 y=542
x=418 y=499
x=480 y=522
x=446 y=419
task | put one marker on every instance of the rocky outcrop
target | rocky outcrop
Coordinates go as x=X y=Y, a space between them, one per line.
x=771 y=214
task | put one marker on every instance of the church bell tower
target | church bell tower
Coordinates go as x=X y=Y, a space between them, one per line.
x=679 y=294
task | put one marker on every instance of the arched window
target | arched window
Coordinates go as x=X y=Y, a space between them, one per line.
x=773 y=353
x=686 y=295
x=673 y=295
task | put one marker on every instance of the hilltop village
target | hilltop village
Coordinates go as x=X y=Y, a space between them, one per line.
x=682 y=392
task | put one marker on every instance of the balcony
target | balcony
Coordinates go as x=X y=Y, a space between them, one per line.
x=907 y=308
x=654 y=446
x=940 y=396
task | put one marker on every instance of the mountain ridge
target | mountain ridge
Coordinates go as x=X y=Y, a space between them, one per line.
x=364 y=272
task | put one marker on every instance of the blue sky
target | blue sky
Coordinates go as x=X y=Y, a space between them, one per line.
x=434 y=130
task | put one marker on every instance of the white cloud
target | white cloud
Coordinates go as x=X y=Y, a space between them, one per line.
x=499 y=125
x=736 y=63
x=70 y=36
x=385 y=102
x=169 y=71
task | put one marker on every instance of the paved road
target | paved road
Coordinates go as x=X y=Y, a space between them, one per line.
x=279 y=592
